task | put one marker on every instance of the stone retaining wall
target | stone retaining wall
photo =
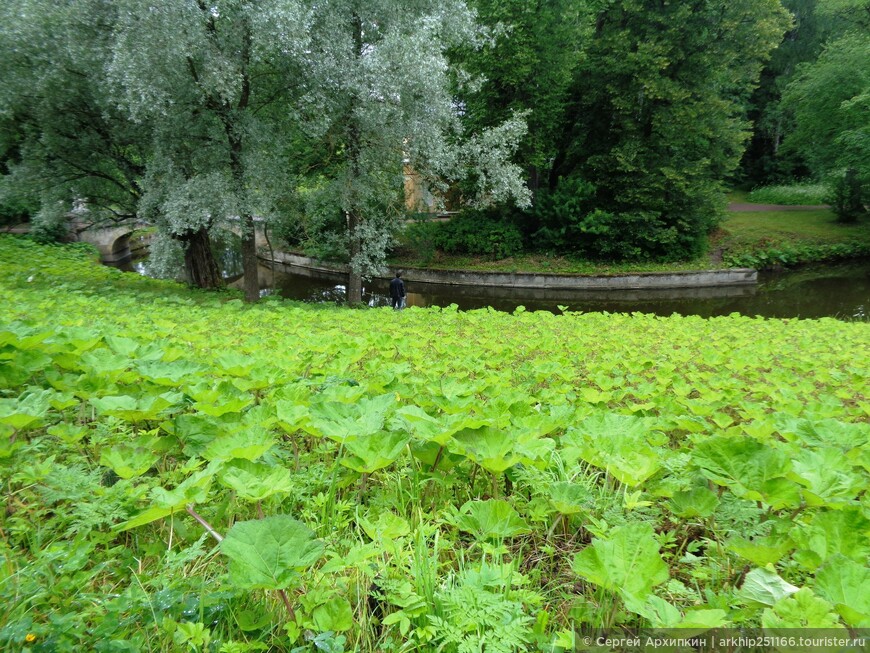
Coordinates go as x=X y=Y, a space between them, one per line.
x=310 y=267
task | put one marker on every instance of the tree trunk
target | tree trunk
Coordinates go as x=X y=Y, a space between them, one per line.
x=199 y=262
x=354 y=278
x=250 y=266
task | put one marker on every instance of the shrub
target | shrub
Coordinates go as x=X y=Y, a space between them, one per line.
x=487 y=233
x=847 y=196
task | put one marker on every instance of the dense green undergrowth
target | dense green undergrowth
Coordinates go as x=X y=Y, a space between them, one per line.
x=415 y=480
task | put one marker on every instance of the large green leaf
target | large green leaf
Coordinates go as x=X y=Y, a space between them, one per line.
x=269 y=553
x=491 y=519
x=28 y=410
x=372 y=452
x=128 y=460
x=335 y=615
x=761 y=550
x=699 y=502
x=764 y=586
x=340 y=421
x=249 y=443
x=801 y=610
x=489 y=447
x=255 y=481
x=570 y=498
x=844 y=583
x=827 y=476
x=751 y=469
x=171 y=374
x=616 y=443
x=832 y=532
x=133 y=409
x=627 y=561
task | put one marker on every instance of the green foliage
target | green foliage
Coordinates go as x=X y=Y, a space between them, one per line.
x=627 y=561
x=850 y=196
x=806 y=194
x=829 y=100
x=269 y=553
x=523 y=475
x=479 y=232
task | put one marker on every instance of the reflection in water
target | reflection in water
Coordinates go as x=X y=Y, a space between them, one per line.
x=841 y=290
x=837 y=290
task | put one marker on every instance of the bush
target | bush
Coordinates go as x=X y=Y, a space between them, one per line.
x=478 y=232
x=791 y=195
x=573 y=219
x=847 y=196
x=418 y=238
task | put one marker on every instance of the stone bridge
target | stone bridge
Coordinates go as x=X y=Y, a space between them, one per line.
x=113 y=242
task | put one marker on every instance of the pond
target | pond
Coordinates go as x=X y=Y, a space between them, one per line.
x=839 y=290
x=835 y=290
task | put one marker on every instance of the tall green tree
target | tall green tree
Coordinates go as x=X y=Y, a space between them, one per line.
x=830 y=101
x=381 y=94
x=657 y=120
x=526 y=66
x=63 y=139
x=206 y=76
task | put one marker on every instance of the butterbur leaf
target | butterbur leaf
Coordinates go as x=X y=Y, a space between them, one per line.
x=68 y=433
x=194 y=489
x=751 y=469
x=763 y=586
x=256 y=481
x=699 y=502
x=340 y=421
x=27 y=411
x=616 y=443
x=372 y=452
x=127 y=460
x=661 y=614
x=832 y=532
x=489 y=447
x=491 y=519
x=236 y=364
x=761 y=550
x=134 y=409
x=658 y=612
x=844 y=583
x=827 y=476
x=335 y=615
x=569 y=498
x=801 y=610
x=171 y=374
x=628 y=561
x=269 y=553
x=387 y=526
x=248 y=444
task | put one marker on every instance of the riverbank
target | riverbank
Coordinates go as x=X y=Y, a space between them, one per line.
x=752 y=235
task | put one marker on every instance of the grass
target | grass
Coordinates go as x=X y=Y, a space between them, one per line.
x=793 y=194
x=755 y=229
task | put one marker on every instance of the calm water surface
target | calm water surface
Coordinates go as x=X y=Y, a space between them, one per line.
x=837 y=290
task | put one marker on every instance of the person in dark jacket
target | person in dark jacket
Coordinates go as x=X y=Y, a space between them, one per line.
x=397 y=291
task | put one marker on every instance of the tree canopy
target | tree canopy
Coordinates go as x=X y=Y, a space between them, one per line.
x=603 y=129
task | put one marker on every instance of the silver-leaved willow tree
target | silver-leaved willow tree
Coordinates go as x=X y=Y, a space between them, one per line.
x=384 y=97
x=193 y=115
x=215 y=81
